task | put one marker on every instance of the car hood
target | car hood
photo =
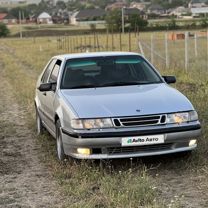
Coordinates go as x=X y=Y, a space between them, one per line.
x=126 y=101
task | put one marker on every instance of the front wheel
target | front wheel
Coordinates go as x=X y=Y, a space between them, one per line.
x=39 y=124
x=59 y=144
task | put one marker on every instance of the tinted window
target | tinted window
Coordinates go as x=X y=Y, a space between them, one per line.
x=55 y=71
x=108 y=71
x=48 y=70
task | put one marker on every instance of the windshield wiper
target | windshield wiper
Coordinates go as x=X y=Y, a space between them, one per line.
x=83 y=86
x=122 y=83
x=111 y=84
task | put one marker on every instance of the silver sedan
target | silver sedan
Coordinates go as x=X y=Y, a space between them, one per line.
x=113 y=105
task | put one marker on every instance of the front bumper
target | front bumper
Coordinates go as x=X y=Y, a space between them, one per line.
x=108 y=145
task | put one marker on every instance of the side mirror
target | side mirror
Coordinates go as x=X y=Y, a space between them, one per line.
x=169 y=79
x=45 y=87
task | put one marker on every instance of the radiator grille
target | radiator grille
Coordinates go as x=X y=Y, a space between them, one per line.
x=136 y=149
x=139 y=121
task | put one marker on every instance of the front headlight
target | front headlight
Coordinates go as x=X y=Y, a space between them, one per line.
x=182 y=117
x=193 y=116
x=91 y=123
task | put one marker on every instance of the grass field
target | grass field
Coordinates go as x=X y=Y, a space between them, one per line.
x=166 y=181
x=35 y=30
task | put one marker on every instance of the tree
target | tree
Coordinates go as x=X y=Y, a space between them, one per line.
x=4 y=31
x=61 y=5
x=90 y=6
x=3 y=10
x=172 y=25
x=101 y=3
x=44 y=6
x=204 y=22
x=93 y=27
x=136 y=21
x=113 y=20
x=16 y=11
x=75 y=5
x=32 y=8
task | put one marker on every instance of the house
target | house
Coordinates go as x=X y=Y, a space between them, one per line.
x=2 y=15
x=61 y=17
x=8 y=19
x=131 y=11
x=197 y=4
x=179 y=11
x=31 y=19
x=116 y=5
x=5 y=3
x=44 y=18
x=88 y=16
x=197 y=11
x=139 y=5
x=156 y=9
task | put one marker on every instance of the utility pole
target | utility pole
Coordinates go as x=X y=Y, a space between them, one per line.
x=20 y=24
x=122 y=12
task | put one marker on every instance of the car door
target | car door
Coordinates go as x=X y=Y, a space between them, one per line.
x=43 y=95
x=50 y=96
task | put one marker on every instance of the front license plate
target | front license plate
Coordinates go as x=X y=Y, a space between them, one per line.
x=143 y=140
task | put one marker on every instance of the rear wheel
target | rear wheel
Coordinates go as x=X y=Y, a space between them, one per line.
x=59 y=144
x=39 y=124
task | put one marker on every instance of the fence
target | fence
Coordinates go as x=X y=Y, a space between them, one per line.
x=185 y=51
x=98 y=42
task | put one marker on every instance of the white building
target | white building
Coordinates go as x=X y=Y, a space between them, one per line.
x=44 y=18
x=197 y=11
x=197 y=4
x=139 y=5
x=88 y=16
x=179 y=11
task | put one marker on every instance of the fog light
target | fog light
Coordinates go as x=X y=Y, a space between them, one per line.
x=192 y=142
x=83 y=151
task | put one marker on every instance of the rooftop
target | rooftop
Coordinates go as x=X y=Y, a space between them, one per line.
x=2 y=15
x=94 y=54
x=87 y=13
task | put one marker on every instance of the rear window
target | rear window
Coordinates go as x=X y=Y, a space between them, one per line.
x=101 y=71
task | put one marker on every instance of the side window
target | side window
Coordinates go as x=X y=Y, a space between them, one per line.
x=48 y=70
x=55 y=72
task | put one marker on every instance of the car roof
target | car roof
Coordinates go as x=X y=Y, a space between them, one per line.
x=93 y=54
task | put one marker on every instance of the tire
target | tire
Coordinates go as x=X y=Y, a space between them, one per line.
x=186 y=154
x=59 y=144
x=39 y=124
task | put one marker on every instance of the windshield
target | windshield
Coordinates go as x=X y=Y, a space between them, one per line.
x=108 y=71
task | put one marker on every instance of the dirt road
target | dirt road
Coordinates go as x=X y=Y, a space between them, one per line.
x=24 y=181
